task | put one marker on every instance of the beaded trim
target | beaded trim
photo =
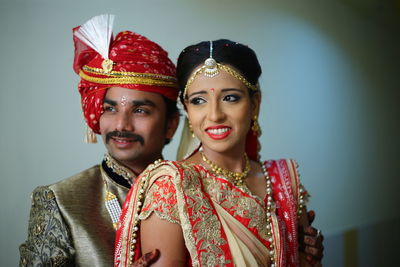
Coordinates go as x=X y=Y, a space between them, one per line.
x=111 y=201
x=128 y=74
x=127 y=78
x=113 y=207
x=303 y=196
x=119 y=169
x=143 y=183
x=270 y=210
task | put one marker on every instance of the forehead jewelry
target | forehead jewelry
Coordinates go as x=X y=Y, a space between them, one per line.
x=212 y=90
x=211 y=68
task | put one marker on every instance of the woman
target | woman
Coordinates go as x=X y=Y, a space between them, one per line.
x=220 y=206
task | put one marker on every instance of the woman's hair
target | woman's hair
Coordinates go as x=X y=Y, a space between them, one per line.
x=239 y=56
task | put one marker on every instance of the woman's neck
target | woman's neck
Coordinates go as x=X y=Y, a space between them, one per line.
x=232 y=160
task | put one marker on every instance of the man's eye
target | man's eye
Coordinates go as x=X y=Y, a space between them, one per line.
x=231 y=98
x=108 y=108
x=197 y=101
x=141 y=111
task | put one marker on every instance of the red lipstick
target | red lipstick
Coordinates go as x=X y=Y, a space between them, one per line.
x=218 y=132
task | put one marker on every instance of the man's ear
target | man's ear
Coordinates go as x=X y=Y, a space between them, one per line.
x=172 y=125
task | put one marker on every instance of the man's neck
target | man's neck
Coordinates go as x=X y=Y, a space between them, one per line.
x=138 y=166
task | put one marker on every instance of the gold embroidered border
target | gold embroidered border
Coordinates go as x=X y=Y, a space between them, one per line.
x=128 y=233
x=185 y=221
x=168 y=168
x=128 y=74
x=146 y=214
x=163 y=209
x=123 y=244
x=128 y=80
x=294 y=178
x=207 y=227
x=300 y=194
x=234 y=200
x=116 y=167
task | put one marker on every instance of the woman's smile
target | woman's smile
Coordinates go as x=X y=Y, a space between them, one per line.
x=218 y=132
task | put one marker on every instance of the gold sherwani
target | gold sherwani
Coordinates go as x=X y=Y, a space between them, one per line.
x=69 y=223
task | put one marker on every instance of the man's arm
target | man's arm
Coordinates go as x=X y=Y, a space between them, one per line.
x=49 y=240
x=310 y=241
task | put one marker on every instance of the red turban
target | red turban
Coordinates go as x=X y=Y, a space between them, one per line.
x=134 y=62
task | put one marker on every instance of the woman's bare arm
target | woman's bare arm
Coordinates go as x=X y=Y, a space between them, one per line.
x=167 y=238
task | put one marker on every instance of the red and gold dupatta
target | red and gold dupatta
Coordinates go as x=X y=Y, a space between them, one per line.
x=213 y=212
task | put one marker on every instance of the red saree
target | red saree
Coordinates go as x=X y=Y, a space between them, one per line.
x=223 y=225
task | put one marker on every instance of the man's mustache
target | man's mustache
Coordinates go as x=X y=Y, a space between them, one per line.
x=124 y=134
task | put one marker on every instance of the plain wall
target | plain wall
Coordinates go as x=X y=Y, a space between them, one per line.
x=330 y=97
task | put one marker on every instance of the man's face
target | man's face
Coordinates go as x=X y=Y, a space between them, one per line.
x=133 y=126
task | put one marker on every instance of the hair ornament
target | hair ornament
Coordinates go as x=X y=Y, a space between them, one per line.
x=211 y=67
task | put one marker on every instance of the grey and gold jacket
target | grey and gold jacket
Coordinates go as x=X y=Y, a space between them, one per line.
x=69 y=223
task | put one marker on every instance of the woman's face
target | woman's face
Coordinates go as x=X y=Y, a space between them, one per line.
x=220 y=111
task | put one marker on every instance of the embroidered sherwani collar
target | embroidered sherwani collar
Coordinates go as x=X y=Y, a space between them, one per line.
x=118 y=172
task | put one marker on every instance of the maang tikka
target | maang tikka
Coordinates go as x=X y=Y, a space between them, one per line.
x=211 y=67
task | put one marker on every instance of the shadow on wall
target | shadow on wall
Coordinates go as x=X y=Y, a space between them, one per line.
x=366 y=246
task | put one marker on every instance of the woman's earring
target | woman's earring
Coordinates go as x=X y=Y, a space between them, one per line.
x=255 y=127
x=191 y=129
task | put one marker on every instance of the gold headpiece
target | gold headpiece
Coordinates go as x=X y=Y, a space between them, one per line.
x=211 y=68
x=210 y=65
x=102 y=76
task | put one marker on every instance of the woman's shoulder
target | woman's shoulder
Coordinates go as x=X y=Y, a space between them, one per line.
x=285 y=172
x=282 y=161
x=168 y=168
x=283 y=166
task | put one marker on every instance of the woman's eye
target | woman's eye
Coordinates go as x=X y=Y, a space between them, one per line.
x=231 y=98
x=197 y=101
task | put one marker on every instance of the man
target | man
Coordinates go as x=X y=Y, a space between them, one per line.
x=129 y=93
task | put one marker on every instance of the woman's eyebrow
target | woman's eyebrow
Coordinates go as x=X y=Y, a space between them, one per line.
x=231 y=89
x=198 y=93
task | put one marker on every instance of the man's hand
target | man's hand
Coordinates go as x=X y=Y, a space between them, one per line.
x=310 y=241
x=147 y=259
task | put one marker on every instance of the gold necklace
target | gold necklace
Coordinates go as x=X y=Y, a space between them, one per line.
x=237 y=177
